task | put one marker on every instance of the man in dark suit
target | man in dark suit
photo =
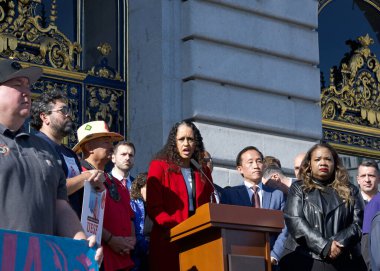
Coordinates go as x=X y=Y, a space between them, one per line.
x=249 y=162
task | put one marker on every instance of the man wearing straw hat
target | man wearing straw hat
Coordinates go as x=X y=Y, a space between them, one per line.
x=118 y=236
x=95 y=142
x=33 y=191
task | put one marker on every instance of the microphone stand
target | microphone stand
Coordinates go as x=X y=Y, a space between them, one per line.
x=214 y=193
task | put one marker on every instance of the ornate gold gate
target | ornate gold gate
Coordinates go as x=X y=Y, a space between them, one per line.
x=351 y=102
x=29 y=33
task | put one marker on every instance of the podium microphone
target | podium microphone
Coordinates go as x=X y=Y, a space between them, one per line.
x=215 y=193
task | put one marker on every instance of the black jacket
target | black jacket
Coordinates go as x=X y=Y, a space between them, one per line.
x=310 y=229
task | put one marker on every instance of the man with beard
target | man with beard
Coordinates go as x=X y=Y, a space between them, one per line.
x=51 y=118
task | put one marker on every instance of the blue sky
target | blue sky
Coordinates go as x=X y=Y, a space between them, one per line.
x=339 y=21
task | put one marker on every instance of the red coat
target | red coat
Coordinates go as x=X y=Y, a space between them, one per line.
x=117 y=220
x=167 y=206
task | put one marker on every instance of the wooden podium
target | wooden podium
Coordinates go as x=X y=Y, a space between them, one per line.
x=226 y=237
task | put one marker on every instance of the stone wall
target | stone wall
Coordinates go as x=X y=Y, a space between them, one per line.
x=244 y=70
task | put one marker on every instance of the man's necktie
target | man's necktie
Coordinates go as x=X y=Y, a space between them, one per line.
x=124 y=182
x=255 y=197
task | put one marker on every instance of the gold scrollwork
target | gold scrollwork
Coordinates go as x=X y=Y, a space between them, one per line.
x=104 y=48
x=35 y=43
x=103 y=105
x=6 y=16
x=353 y=93
x=103 y=70
x=7 y=42
x=322 y=4
x=353 y=143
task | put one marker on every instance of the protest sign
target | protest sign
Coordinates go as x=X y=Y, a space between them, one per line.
x=93 y=211
x=38 y=252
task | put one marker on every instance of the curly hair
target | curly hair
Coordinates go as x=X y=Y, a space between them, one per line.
x=170 y=151
x=138 y=183
x=43 y=104
x=340 y=183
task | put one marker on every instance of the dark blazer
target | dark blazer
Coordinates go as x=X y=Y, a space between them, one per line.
x=238 y=195
x=374 y=247
x=272 y=199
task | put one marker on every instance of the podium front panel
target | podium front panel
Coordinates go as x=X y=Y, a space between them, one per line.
x=245 y=242
x=202 y=252
x=243 y=262
x=225 y=237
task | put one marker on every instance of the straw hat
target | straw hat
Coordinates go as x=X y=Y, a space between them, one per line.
x=92 y=130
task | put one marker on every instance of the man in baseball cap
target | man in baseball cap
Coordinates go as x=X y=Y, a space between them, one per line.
x=10 y=69
x=15 y=96
x=29 y=162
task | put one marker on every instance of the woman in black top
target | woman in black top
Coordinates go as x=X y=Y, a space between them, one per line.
x=324 y=215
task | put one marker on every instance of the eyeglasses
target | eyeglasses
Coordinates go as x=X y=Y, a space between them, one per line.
x=64 y=111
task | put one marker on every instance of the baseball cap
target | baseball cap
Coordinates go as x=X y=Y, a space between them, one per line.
x=10 y=69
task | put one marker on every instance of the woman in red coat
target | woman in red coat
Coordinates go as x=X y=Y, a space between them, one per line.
x=174 y=190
